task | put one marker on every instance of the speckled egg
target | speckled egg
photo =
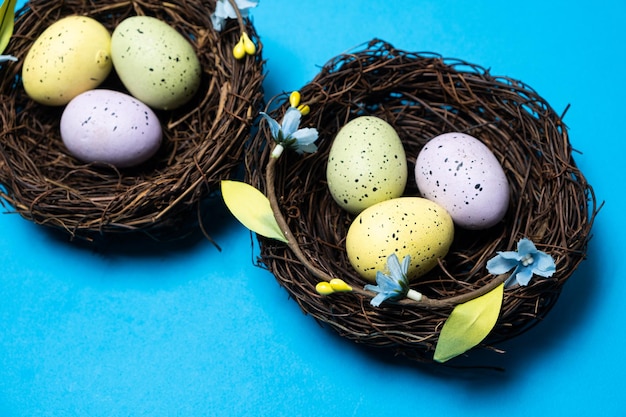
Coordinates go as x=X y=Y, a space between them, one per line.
x=411 y=226
x=69 y=57
x=461 y=173
x=366 y=164
x=110 y=127
x=155 y=62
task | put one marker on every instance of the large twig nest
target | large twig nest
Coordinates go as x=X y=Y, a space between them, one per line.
x=422 y=96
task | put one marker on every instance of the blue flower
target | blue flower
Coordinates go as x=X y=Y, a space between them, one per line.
x=224 y=10
x=394 y=285
x=288 y=135
x=527 y=260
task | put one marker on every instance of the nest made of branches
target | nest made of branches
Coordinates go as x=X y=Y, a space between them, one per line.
x=423 y=95
x=203 y=141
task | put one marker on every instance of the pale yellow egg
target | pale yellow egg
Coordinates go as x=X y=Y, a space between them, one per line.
x=412 y=226
x=71 y=56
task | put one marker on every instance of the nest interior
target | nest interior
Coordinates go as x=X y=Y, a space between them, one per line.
x=203 y=141
x=423 y=95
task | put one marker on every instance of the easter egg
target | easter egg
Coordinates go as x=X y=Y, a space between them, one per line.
x=412 y=226
x=461 y=173
x=110 y=127
x=366 y=164
x=69 y=57
x=154 y=62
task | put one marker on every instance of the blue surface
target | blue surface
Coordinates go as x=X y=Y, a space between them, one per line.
x=192 y=331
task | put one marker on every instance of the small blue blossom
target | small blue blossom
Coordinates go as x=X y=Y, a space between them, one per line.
x=394 y=285
x=5 y=58
x=288 y=135
x=527 y=260
x=224 y=10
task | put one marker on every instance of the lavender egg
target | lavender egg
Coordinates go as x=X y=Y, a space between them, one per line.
x=110 y=127
x=461 y=174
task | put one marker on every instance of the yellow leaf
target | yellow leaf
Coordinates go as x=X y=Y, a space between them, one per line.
x=469 y=324
x=251 y=208
x=7 y=16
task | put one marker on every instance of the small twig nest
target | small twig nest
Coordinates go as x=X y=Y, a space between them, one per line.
x=422 y=96
x=203 y=141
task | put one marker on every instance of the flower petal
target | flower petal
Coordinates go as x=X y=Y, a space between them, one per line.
x=291 y=121
x=224 y=10
x=523 y=275
x=386 y=283
x=274 y=126
x=220 y=14
x=501 y=264
x=310 y=148
x=304 y=140
x=393 y=264
x=305 y=136
x=5 y=58
x=526 y=247
x=380 y=297
x=544 y=264
x=405 y=265
x=246 y=4
x=513 y=255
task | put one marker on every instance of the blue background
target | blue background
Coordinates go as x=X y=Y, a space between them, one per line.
x=193 y=331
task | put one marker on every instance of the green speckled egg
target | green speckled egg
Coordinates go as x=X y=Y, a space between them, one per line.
x=411 y=226
x=366 y=164
x=155 y=63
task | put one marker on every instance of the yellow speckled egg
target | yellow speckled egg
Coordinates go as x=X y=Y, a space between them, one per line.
x=411 y=226
x=155 y=63
x=71 y=56
x=366 y=164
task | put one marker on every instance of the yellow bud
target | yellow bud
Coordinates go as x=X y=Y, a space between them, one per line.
x=339 y=285
x=324 y=288
x=239 y=51
x=294 y=98
x=249 y=46
x=304 y=109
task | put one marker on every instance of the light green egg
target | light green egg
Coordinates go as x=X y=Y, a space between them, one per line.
x=366 y=164
x=412 y=226
x=154 y=62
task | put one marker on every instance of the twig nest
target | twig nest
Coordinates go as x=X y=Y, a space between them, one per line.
x=203 y=139
x=422 y=96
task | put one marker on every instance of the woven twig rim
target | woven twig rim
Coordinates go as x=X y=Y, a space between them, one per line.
x=423 y=95
x=203 y=140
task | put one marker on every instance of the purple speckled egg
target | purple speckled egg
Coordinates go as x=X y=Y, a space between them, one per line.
x=110 y=127
x=461 y=174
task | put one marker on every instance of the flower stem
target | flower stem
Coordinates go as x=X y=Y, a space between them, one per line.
x=414 y=298
x=242 y=26
x=282 y=223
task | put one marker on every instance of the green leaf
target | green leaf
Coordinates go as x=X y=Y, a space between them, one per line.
x=251 y=208
x=469 y=324
x=7 y=17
